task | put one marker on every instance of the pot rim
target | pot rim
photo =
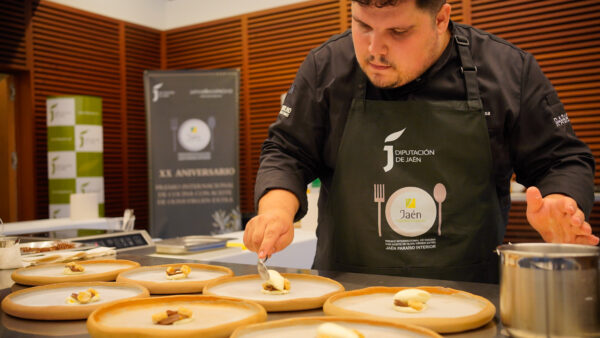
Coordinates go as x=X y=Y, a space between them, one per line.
x=553 y=250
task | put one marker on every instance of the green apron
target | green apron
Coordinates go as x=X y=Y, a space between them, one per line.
x=413 y=192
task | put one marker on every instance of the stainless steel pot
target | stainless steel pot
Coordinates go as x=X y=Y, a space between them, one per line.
x=550 y=290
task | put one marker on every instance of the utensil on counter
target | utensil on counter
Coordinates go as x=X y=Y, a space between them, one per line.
x=550 y=290
x=379 y=197
x=174 y=127
x=212 y=122
x=263 y=272
x=439 y=194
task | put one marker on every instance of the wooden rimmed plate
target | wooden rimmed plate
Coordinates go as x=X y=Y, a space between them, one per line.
x=307 y=291
x=307 y=327
x=212 y=317
x=95 y=271
x=447 y=311
x=48 y=302
x=154 y=278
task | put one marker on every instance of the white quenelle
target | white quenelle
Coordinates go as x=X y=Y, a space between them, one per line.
x=332 y=330
x=276 y=285
x=411 y=300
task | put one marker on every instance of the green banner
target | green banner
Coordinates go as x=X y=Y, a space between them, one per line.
x=75 y=151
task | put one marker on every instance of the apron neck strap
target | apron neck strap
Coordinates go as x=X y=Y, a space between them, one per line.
x=469 y=71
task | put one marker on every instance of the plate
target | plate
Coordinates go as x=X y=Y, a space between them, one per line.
x=213 y=317
x=48 y=302
x=307 y=291
x=96 y=270
x=307 y=327
x=447 y=311
x=153 y=278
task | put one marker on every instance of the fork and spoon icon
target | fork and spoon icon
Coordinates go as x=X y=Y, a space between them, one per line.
x=439 y=195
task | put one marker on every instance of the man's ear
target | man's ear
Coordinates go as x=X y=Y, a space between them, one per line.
x=442 y=18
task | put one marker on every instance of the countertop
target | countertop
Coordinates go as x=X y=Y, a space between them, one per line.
x=15 y=327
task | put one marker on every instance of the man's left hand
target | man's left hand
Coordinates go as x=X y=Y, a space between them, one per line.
x=558 y=219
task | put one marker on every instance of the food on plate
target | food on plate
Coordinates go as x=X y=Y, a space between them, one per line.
x=276 y=285
x=83 y=297
x=331 y=330
x=73 y=268
x=169 y=317
x=411 y=300
x=178 y=272
x=55 y=247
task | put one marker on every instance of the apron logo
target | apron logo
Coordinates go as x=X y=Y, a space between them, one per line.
x=390 y=149
x=408 y=156
x=410 y=203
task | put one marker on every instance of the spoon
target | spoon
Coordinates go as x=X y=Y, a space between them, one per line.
x=262 y=269
x=211 y=124
x=439 y=194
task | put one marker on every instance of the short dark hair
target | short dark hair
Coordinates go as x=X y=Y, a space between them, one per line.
x=428 y=5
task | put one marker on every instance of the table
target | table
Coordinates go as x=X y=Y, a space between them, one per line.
x=16 y=327
x=299 y=254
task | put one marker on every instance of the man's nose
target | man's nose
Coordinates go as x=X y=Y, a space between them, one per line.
x=377 y=45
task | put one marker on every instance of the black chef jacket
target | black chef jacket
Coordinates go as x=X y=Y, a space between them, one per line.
x=529 y=130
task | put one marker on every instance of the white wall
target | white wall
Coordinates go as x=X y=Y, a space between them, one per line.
x=168 y=14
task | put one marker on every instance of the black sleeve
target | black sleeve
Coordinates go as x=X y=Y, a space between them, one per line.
x=290 y=155
x=546 y=152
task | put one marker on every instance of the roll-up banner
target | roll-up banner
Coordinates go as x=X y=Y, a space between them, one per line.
x=75 y=152
x=192 y=129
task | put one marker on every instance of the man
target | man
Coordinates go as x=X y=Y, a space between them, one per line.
x=414 y=124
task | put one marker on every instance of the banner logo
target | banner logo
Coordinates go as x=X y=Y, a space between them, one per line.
x=160 y=94
x=52 y=112
x=89 y=138
x=60 y=111
x=194 y=135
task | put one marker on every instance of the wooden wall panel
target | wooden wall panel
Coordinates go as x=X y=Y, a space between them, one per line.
x=13 y=52
x=77 y=54
x=563 y=36
x=142 y=52
x=278 y=42
x=215 y=45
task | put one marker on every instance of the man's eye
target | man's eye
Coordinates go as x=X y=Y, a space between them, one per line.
x=398 y=32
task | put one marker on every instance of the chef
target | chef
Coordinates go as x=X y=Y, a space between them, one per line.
x=414 y=125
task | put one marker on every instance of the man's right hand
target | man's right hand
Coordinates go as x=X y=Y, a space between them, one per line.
x=273 y=228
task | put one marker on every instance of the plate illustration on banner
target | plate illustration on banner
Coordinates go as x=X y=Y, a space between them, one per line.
x=410 y=211
x=194 y=135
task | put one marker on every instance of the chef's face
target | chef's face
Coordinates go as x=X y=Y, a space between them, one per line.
x=396 y=44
